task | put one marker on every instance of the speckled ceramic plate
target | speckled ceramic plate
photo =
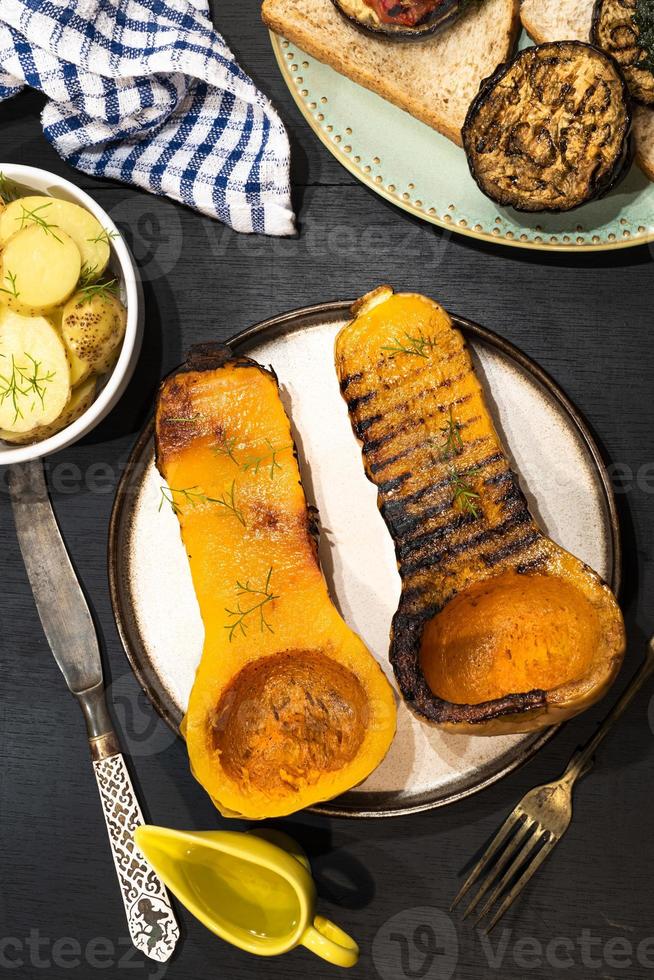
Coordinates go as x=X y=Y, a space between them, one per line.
x=561 y=472
x=426 y=174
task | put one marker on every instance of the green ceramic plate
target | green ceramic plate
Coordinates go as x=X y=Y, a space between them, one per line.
x=426 y=174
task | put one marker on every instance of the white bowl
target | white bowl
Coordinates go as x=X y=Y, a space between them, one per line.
x=124 y=270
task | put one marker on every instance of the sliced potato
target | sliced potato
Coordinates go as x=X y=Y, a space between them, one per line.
x=39 y=270
x=80 y=399
x=79 y=369
x=34 y=372
x=93 y=326
x=92 y=240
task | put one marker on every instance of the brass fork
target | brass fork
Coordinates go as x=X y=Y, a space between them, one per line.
x=539 y=821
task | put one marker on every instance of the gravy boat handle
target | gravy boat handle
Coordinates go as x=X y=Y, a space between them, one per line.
x=330 y=942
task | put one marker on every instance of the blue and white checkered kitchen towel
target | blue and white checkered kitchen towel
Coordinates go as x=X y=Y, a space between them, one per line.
x=146 y=91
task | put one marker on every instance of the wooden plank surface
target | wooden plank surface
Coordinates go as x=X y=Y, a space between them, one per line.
x=588 y=321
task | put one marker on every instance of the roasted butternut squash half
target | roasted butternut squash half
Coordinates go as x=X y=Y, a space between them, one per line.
x=288 y=706
x=498 y=629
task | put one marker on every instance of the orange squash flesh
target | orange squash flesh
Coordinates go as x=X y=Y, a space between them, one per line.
x=498 y=630
x=288 y=706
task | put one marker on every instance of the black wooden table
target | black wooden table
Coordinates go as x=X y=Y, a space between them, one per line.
x=587 y=319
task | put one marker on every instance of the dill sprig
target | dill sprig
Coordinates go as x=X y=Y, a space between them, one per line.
x=420 y=346
x=35 y=381
x=261 y=597
x=225 y=447
x=191 y=495
x=34 y=217
x=254 y=463
x=24 y=382
x=466 y=497
x=88 y=274
x=89 y=288
x=228 y=500
x=104 y=236
x=195 y=496
x=9 y=189
x=452 y=443
x=104 y=290
x=13 y=290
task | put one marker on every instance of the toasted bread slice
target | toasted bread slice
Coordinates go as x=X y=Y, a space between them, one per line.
x=435 y=79
x=564 y=20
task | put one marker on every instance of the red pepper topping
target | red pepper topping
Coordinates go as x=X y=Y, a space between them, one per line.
x=407 y=13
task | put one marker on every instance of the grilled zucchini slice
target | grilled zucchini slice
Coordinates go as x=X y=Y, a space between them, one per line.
x=401 y=20
x=616 y=29
x=550 y=129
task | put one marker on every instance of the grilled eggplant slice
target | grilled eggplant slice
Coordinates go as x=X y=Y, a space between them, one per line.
x=550 y=129
x=498 y=629
x=617 y=30
x=402 y=20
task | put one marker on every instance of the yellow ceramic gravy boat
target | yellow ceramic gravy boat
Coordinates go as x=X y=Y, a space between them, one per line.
x=255 y=890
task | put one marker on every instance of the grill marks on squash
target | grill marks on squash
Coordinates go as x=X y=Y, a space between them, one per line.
x=400 y=420
x=418 y=503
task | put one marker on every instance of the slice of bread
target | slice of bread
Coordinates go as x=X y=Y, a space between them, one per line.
x=563 y=20
x=545 y=20
x=435 y=79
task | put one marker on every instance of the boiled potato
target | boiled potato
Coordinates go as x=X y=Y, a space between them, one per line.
x=93 y=326
x=81 y=398
x=79 y=369
x=92 y=240
x=38 y=270
x=34 y=372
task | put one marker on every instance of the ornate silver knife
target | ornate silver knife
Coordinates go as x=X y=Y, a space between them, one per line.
x=71 y=634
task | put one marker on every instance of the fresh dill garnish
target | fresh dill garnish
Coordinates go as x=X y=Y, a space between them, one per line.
x=35 y=381
x=24 y=382
x=9 y=189
x=644 y=20
x=228 y=500
x=466 y=497
x=420 y=345
x=104 y=236
x=88 y=274
x=254 y=463
x=12 y=291
x=34 y=217
x=194 y=496
x=90 y=288
x=191 y=495
x=225 y=447
x=261 y=597
x=452 y=443
x=104 y=290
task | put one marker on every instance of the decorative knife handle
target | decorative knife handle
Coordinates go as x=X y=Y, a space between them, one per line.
x=150 y=917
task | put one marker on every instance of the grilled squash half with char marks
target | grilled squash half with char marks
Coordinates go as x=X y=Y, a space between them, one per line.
x=498 y=629
x=288 y=706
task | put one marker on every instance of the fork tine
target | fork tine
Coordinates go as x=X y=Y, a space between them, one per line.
x=486 y=857
x=518 y=858
x=533 y=867
x=506 y=857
